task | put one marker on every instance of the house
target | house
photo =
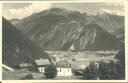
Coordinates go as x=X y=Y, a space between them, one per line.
x=63 y=68
x=42 y=63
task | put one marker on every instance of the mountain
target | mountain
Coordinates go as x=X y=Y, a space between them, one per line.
x=17 y=48
x=107 y=20
x=56 y=29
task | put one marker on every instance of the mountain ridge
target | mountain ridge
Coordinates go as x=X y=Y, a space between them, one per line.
x=47 y=27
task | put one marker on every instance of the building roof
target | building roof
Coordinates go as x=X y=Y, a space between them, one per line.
x=63 y=64
x=7 y=67
x=42 y=62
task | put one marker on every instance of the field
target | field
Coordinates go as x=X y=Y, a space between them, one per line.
x=77 y=60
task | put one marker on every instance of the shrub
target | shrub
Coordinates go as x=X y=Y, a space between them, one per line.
x=50 y=71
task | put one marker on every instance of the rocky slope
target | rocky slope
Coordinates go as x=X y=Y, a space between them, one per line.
x=96 y=38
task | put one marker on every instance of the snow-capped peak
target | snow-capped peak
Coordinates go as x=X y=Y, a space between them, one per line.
x=116 y=12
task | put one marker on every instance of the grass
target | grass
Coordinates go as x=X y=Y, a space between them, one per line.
x=21 y=75
x=18 y=75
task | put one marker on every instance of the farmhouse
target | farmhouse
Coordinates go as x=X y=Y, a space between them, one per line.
x=42 y=63
x=24 y=66
x=64 y=68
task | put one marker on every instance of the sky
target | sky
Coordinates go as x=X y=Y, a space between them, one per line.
x=22 y=10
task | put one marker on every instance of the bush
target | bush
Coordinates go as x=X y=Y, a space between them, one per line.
x=50 y=71
x=91 y=72
x=26 y=77
x=120 y=71
x=109 y=71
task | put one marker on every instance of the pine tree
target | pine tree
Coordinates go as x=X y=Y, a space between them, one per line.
x=50 y=71
x=91 y=72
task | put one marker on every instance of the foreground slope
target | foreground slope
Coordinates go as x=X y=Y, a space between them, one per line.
x=17 y=48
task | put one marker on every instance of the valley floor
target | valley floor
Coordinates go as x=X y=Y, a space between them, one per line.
x=75 y=58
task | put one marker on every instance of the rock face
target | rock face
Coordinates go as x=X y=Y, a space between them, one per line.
x=17 y=48
x=96 y=38
x=61 y=29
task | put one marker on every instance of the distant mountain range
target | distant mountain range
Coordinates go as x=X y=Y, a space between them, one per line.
x=109 y=22
x=17 y=48
x=61 y=29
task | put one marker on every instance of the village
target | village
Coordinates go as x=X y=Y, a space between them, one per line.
x=68 y=62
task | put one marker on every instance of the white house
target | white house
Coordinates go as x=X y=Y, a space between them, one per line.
x=64 y=68
x=42 y=63
x=64 y=72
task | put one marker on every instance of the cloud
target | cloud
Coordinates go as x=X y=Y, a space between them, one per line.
x=26 y=11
